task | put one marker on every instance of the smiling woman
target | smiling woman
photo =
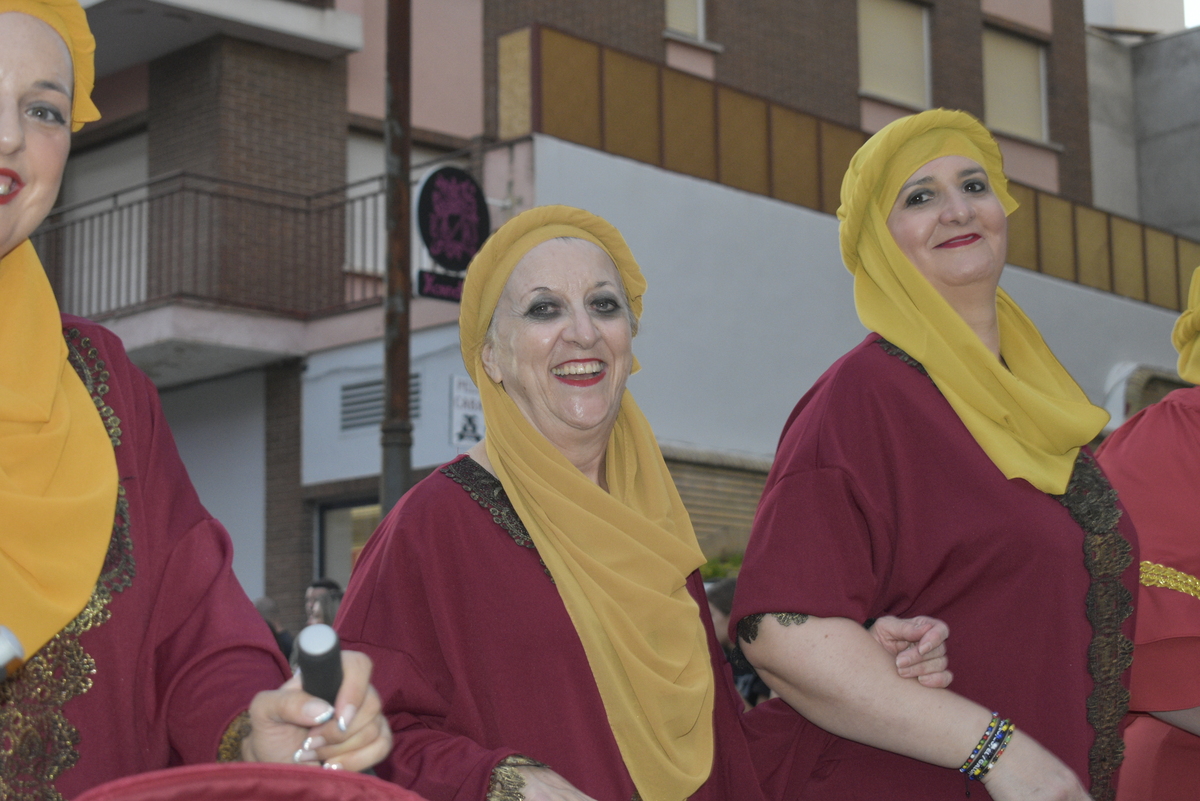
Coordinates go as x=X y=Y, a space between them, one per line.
x=941 y=466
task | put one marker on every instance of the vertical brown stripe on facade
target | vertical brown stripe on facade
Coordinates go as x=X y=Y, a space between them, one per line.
x=535 y=58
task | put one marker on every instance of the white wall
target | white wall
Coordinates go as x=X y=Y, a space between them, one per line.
x=330 y=454
x=748 y=302
x=220 y=428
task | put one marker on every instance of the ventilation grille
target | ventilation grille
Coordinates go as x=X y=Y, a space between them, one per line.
x=362 y=403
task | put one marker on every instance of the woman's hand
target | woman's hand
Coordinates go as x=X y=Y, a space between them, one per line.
x=543 y=784
x=919 y=646
x=289 y=725
x=1029 y=772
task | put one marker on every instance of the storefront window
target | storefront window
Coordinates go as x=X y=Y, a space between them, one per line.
x=344 y=532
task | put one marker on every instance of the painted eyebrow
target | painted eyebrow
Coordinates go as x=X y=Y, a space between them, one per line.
x=53 y=86
x=928 y=179
x=537 y=289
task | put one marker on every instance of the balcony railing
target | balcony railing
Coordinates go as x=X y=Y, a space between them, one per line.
x=188 y=236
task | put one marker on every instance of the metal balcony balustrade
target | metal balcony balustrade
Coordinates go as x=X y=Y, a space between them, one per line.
x=184 y=236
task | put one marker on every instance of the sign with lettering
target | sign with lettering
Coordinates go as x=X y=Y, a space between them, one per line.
x=466 y=413
x=452 y=215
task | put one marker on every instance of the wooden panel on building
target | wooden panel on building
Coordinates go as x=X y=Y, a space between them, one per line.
x=689 y=127
x=631 y=113
x=1091 y=241
x=514 y=73
x=1129 y=274
x=1022 y=228
x=721 y=502
x=570 y=99
x=742 y=141
x=838 y=146
x=1056 y=236
x=1162 y=279
x=1189 y=260
x=794 y=174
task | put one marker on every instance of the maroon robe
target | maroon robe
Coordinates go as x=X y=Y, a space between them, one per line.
x=169 y=649
x=476 y=657
x=880 y=502
x=1154 y=462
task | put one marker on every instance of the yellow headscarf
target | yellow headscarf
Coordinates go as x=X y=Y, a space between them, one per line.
x=58 y=473
x=620 y=559
x=1187 y=333
x=69 y=20
x=1031 y=421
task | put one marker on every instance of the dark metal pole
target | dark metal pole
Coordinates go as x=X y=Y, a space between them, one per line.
x=396 y=475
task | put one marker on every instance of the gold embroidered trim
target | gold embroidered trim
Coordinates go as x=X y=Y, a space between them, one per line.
x=37 y=742
x=486 y=490
x=230 y=749
x=507 y=782
x=1156 y=575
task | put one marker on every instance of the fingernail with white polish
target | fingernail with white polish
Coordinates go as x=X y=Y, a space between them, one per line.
x=318 y=710
x=332 y=766
x=347 y=717
x=304 y=755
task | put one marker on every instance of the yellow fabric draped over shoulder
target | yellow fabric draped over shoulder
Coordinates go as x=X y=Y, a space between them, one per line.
x=69 y=20
x=1187 y=334
x=620 y=559
x=1030 y=419
x=58 y=473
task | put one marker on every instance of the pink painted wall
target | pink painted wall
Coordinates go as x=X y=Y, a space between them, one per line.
x=447 y=64
x=1028 y=163
x=1034 y=14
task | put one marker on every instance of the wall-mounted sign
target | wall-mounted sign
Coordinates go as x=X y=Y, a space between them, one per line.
x=466 y=413
x=452 y=215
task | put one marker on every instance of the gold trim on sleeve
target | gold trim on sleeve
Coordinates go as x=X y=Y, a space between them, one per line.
x=1156 y=575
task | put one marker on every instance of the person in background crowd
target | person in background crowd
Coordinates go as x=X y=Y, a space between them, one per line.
x=269 y=610
x=321 y=601
x=1154 y=463
x=940 y=465
x=720 y=604
x=534 y=607
x=136 y=647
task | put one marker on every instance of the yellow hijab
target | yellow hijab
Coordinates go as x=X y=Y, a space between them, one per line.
x=620 y=559
x=1187 y=333
x=58 y=474
x=1031 y=418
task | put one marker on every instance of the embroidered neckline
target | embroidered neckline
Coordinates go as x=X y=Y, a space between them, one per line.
x=486 y=490
x=39 y=743
x=900 y=354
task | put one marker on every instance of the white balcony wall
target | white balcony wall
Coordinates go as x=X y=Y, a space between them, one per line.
x=220 y=428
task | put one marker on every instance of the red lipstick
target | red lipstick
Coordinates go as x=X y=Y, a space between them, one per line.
x=16 y=186
x=582 y=380
x=960 y=241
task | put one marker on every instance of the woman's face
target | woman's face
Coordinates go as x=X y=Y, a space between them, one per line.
x=950 y=225
x=36 y=81
x=562 y=341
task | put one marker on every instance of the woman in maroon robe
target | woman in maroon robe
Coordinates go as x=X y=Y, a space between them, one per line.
x=130 y=645
x=534 y=608
x=940 y=466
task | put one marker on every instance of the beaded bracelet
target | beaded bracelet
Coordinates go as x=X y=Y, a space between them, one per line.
x=995 y=739
x=983 y=741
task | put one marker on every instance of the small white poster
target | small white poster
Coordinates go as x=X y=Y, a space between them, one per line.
x=466 y=413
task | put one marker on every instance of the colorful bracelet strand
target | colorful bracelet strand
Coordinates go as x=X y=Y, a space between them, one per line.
x=997 y=737
x=983 y=741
